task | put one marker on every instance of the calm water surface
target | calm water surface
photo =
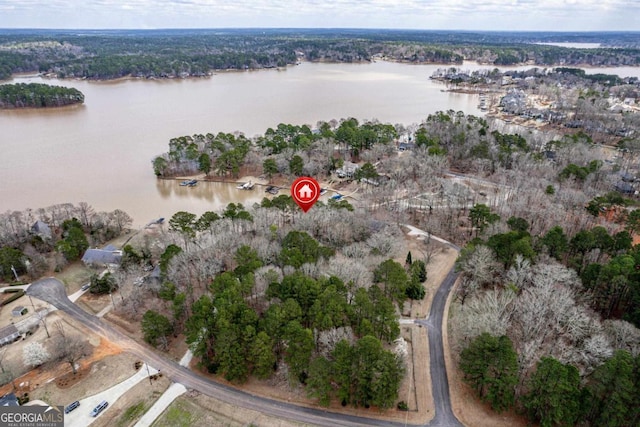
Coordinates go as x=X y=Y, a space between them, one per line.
x=101 y=152
x=573 y=45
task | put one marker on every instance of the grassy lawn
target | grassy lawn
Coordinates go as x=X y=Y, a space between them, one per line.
x=179 y=414
x=133 y=412
x=74 y=276
x=187 y=412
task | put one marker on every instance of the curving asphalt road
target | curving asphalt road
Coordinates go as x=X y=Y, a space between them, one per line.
x=439 y=379
x=52 y=291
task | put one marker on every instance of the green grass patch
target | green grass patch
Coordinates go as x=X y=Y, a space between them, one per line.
x=132 y=413
x=19 y=293
x=75 y=275
x=175 y=416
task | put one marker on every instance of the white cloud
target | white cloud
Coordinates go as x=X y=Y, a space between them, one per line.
x=573 y=15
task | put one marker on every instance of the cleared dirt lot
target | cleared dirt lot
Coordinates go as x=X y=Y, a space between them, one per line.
x=103 y=373
x=12 y=354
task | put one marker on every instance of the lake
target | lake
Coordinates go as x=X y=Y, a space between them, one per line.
x=572 y=45
x=101 y=152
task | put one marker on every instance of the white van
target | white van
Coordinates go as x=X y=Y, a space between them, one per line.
x=101 y=407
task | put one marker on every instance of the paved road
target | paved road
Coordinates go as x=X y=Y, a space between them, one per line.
x=53 y=291
x=439 y=379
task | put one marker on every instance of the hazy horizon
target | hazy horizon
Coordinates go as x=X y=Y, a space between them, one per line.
x=452 y=15
x=337 y=29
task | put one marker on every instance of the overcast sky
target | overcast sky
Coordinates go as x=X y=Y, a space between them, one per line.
x=548 y=15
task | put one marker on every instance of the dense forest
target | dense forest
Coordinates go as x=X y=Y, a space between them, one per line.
x=36 y=95
x=272 y=293
x=547 y=310
x=186 y=53
x=467 y=143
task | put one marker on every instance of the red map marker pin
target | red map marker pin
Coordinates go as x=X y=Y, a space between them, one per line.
x=305 y=192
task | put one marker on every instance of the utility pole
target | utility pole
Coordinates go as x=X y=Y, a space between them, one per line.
x=42 y=317
x=148 y=373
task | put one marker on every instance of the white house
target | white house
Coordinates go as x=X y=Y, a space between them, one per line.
x=347 y=170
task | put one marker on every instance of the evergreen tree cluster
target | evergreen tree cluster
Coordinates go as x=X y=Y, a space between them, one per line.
x=330 y=336
x=37 y=95
x=554 y=394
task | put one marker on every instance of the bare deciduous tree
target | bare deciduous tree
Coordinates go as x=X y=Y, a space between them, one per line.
x=121 y=220
x=68 y=347
x=547 y=321
x=41 y=315
x=354 y=274
x=131 y=287
x=327 y=340
x=478 y=269
x=489 y=312
x=86 y=213
x=623 y=336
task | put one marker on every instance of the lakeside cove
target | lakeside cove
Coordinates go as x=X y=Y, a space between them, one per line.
x=110 y=144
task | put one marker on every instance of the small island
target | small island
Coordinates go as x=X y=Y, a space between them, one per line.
x=37 y=95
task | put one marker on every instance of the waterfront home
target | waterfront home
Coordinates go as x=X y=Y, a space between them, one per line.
x=104 y=257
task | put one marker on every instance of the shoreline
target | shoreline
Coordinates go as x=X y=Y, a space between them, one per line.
x=281 y=183
x=55 y=108
x=373 y=60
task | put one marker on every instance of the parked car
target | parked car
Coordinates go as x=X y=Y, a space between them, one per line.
x=71 y=407
x=101 y=407
x=86 y=286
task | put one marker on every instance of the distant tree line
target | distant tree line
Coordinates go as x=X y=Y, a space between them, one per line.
x=37 y=95
x=187 y=53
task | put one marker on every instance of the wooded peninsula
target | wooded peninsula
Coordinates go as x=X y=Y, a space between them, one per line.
x=111 y=54
x=37 y=95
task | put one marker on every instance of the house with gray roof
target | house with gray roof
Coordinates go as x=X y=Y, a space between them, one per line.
x=9 y=400
x=42 y=229
x=624 y=188
x=8 y=334
x=106 y=256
